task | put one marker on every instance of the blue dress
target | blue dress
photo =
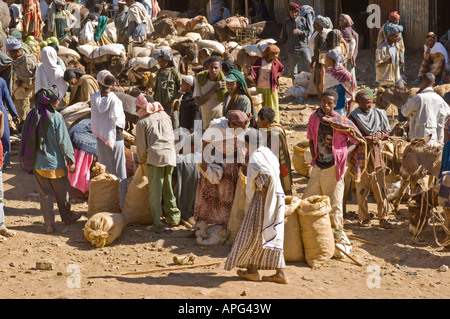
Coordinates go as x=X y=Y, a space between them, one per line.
x=7 y=106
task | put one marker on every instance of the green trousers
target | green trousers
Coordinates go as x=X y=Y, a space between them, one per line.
x=160 y=182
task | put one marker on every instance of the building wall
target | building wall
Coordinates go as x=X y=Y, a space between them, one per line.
x=415 y=20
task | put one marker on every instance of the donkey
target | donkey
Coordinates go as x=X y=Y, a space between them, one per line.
x=420 y=160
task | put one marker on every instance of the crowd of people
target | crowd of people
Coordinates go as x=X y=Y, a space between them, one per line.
x=225 y=135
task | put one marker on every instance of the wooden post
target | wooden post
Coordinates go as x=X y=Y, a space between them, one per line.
x=233 y=8
x=246 y=8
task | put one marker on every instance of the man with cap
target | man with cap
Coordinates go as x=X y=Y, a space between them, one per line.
x=168 y=84
x=374 y=125
x=427 y=112
x=24 y=68
x=295 y=34
x=388 y=57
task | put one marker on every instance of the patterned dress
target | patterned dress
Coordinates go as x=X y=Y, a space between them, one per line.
x=248 y=246
x=213 y=202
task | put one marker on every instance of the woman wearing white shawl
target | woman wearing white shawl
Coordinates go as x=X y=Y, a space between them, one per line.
x=107 y=123
x=138 y=19
x=49 y=72
x=259 y=242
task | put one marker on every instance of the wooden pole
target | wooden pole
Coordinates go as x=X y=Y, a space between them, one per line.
x=353 y=259
x=170 y=269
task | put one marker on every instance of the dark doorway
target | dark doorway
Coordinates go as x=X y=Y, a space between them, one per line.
x=439 y=21
x=357 y=10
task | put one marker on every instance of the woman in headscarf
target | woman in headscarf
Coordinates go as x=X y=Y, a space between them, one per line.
x=259 y=242
x=168 y=84
x=108 y=122
x=49 y=72
x=265 y=73
x=219 y=169
x=351 y=37
x=339 y=79
x=32 y=23
x=46 y=150
x=434 y=59
x=237 y=96
x=82 y=85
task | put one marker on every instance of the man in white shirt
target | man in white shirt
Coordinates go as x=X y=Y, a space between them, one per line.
x=427 y=112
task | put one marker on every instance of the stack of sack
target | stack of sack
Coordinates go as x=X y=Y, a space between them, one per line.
x=105 y=222
x=301 y=83
x=308 y=235
x=301 y=158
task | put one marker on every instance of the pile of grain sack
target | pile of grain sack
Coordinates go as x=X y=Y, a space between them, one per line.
x=105 y=219
x=308 y=235
x=301 y=84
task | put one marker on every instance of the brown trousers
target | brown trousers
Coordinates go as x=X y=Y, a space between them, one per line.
x=372 y=182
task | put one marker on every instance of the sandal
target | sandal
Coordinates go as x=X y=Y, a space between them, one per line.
x=275 y=278
x=245 y=275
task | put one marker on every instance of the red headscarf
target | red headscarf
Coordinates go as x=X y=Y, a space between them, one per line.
x=394 y=16
x=271 y=49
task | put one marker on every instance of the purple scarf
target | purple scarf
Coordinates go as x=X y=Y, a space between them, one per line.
x=36 y=126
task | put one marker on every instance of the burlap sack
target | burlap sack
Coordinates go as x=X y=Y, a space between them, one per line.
x=103 y=194
x=293 y=245
x=238 y=209
x=103 y=228
x=317 y=234
x=136 y=208
x=301 y=159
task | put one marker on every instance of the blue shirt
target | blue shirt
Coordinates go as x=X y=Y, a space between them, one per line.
x=58 y=146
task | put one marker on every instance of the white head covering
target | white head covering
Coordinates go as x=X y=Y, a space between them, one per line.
x=189 y=79
x=49 y=72
x=101 y=77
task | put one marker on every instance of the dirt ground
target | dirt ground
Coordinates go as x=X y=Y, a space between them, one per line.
x=392 y=267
